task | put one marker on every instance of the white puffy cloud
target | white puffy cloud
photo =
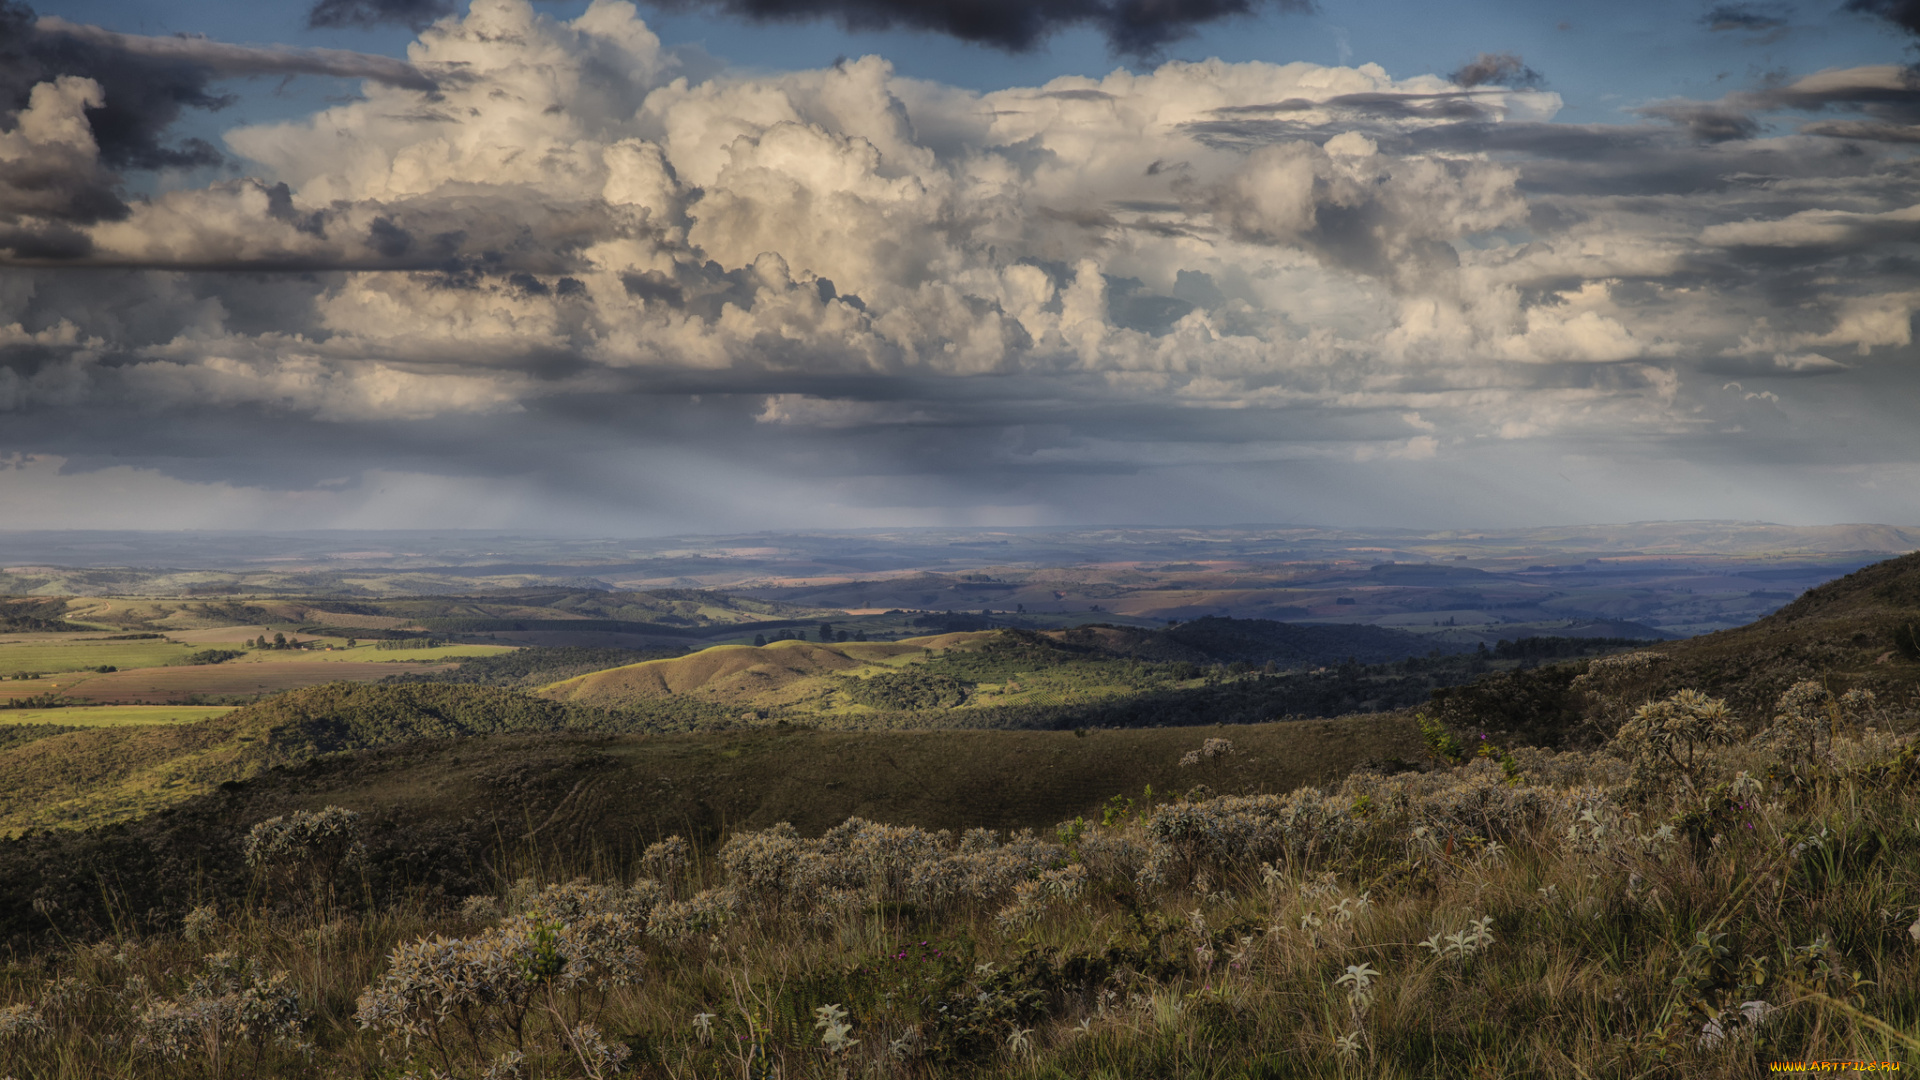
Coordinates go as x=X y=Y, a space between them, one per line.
x=1206 y=262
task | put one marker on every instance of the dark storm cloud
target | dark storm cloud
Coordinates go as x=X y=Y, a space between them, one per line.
x=1380 y=115
x=1705 y=120
x=1904 y=14
x=149 y=81
x=1132 y=27
x=1886 y=96
x=365 y=13
x=1497 y=69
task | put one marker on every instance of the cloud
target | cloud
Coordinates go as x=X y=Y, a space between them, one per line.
x=146 y=82
x=414 y=13
x=1131 y=27
x=1386 y=217
x=804 y=410
x=1705 y=120
x=1726 y=18
x=1903 y=14
x=50 y=175
x=221 y=60
x=1496 y=69
x=1819 y=228
x=1887 y=94
x=547 y=253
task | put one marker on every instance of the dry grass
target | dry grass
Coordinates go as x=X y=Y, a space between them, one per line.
x=1445 y=925
x=775 y=673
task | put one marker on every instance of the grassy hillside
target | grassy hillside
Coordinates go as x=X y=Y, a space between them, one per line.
x=1842 y=631
x=105 y=774
x=1842 y=634
x=993 y=680
x=775 y=674
x=33 y=614
x=534 y=667
x=482 y=903
x=1709 y=894
x=1094 y=676
x=583 y=797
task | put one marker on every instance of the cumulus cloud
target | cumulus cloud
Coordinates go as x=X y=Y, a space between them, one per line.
x=50 y=175
x=539 y=244
x=146 y=82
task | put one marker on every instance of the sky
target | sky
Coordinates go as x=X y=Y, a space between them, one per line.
x=722 y=265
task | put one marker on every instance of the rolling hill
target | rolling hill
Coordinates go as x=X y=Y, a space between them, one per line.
x=1841 y=632
x=67 y=778
x=452 y=815
x=776 y=674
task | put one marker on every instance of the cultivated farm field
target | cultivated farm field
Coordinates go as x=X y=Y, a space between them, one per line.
x=232 y=679
x=114 y=715
x=56 y=653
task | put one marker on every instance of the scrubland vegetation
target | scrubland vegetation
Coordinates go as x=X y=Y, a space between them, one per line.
x=1702 y=893
x=1687 y=861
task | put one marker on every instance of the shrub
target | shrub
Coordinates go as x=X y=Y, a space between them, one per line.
x=1671 y=743
x=1906 y=640
x=308 y=845
x=1212 y=748
x=232 y=1004
x=1243 y=830
x=1807 y=719
x=1616 y=686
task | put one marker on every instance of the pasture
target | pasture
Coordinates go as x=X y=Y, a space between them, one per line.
x=236 y=678
x=58 y=653
x=115 y=715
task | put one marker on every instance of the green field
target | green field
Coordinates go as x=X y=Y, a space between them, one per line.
x=80 y=655
x=115 y=715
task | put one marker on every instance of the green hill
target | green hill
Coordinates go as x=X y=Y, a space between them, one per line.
x=106 y=774
x=444 y=809
x=1844 y=633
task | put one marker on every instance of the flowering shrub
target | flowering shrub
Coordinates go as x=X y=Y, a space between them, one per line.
x=21 y=1025
x=762 y=867
x=775 y=871
x=666 y=860
x=1808 y=722
x=1243 y=830
x=231 y=1005
x=1615 y=686
x=1473 y=800
x=466 y=998
x=314 y=845
x=453 y=994
x=1670 y=744
x=1212 y=748
x=703 y=912
x=201 y=923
